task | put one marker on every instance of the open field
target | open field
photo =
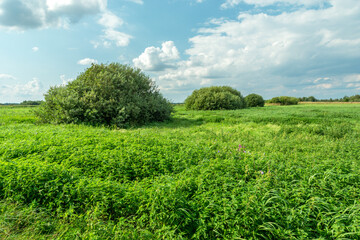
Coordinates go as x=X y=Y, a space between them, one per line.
x=278 y=172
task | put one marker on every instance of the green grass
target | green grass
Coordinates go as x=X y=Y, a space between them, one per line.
x=296 y=176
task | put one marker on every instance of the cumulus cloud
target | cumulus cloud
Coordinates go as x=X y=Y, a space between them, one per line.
x=23 y=14
x=119 y=38
x=263 y=3
x=110 y=20
x=322 y=86
x=86 y=61
x=137 y=1
x=7 y=76
x=32 y=87
x=31 y=90
x=158 y=59
x=261 y=52
x=35 y=49
x=111 y=34
x=64 y=80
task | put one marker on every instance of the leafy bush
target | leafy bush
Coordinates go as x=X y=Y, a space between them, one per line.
x=111 y=94
x=284 y=100
x=308 y=99
x=215 y=98
x=254 y=100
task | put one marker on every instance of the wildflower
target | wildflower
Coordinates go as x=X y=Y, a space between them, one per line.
x=240 y=147
x=262 y=173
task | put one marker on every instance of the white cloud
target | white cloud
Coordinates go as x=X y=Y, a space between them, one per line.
x=137 y=1
x=321 y=79
x=110 y=20
x=322 y=86
x=158 y=59
x=121 y=39
x=6 y=76
x=35 y=49
x=263 y=3
x=64 y=80
x=352 y=78
x=111 y=35
x=86 y=61
x=31 y=90
x=262 y=53
x=23 y=14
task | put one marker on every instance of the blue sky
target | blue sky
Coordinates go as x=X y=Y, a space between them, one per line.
x=270 y=47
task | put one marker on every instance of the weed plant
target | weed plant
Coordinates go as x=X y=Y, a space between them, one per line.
x=277 y=172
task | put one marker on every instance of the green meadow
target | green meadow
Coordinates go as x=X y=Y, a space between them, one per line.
x=277 y=172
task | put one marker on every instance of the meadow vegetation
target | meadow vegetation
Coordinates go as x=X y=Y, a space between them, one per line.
x=276 y=172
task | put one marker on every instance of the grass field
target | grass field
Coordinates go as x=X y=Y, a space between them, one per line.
x=278 y=172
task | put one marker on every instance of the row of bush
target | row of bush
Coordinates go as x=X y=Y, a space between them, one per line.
x=284 y=100
x=221 y=98
x=355 y=98
x=119 y=95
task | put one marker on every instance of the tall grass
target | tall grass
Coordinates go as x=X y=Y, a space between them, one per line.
x=276 y=172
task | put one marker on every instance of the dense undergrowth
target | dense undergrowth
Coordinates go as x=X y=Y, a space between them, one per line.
x=276 y=172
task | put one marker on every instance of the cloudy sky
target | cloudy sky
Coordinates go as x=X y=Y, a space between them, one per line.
x=270 y=47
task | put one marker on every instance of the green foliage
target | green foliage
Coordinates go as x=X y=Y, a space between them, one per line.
x=259 y=173
x=355 y=98
x=31 y=103
x=308 y=99
x=254 y=100
x=284 y=100
x=215 y=98
x=111 y=94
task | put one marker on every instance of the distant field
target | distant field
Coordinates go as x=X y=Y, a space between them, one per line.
x=278 y=172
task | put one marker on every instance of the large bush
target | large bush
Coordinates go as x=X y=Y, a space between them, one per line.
x=284 y=100
x=215 y=98
x=254 y=100
x=112 y=94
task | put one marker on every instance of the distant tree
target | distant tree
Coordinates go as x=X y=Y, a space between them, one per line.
x=355 y=98
x=284 y=100
x=308 y=99
x=112 y=94
x=30 y=102
x=215 y=98
x=346 y=99
x=254 y=100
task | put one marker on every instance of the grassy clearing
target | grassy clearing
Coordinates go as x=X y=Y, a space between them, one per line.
x=296 y=175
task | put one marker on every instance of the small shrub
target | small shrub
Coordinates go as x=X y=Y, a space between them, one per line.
x=215 y=98
x=111 y=94
x=254 y=100
x=284 y=100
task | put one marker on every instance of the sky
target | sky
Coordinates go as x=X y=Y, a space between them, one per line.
x=269 y=47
